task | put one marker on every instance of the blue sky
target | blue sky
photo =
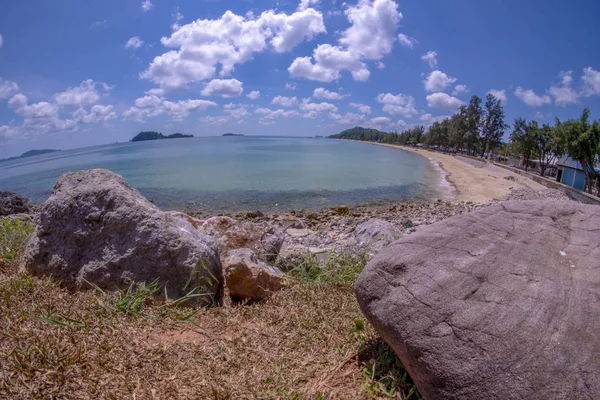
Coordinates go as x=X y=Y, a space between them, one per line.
x=79 y=73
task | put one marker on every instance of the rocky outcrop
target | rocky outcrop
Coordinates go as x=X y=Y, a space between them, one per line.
x=265 y=240
x=96 y=228
x=501 y=303
x=13 y=203
x=374 y=234
x=248 y=278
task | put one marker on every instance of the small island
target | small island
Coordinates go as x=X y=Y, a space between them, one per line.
x=233 y=134
x=151 y=135
x=30 y=153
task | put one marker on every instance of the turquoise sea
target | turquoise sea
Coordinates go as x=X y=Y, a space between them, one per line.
x=224 y=174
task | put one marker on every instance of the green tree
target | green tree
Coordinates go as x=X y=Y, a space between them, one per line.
x=473 y=116
x=524 y=136
x=547 y=147
x=493 y=125
x=581 y=140
x=457 y=127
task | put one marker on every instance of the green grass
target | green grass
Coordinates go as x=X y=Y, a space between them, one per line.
x=339 y=268
x=14 y=233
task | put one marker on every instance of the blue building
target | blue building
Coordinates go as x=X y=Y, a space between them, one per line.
x=570 y=173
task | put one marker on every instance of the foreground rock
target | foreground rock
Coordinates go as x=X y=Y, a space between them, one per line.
x=13 y=203
x=374 y=234
x=265 y=240
x=248 y=278
x=501 y=303
x=97 y=228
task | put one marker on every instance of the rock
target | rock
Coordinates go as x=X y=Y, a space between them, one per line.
x=95 y=227
x=501 y=303
x=299 y=232
x=13 y=203
x=298 y=225
x=341 y=210
x=375 y=234
x=264 y=240
x=254 y=214
x=247 y=278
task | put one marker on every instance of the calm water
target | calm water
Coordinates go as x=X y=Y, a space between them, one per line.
x=241 y=173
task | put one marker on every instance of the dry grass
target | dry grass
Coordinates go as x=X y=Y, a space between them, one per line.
x=308 y=341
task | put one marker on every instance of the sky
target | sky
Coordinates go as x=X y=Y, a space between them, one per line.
x=82 y=73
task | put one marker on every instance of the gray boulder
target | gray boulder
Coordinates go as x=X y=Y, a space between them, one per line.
x=13 y=203
x=95 y=227
x=265 y=240
x=248 y=278
x=374 y=234
x=501 y=303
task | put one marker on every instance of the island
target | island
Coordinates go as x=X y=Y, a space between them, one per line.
x=30 y=153
x=360 y=133
x=233 y=134
x=151 y=135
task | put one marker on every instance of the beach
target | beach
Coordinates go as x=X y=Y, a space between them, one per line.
x=475 y=180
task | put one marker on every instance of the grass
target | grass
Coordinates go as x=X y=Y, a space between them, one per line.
x=307 y=341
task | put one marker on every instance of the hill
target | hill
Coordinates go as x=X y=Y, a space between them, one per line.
x=360 y=133
x=151 y=135
x=232 y=134
x=30 y=153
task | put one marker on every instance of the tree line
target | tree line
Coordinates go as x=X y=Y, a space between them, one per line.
x=477 y=129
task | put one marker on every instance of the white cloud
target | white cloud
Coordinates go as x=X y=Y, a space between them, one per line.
x=363 y=108
x=539 y=115
x=177 y=16
x=268 y=114
x=322 y=93
x=285 y=101
x=499 y=94
x=147 y=5
x=148 y=102
x=429 y=119
x=443 y=100
x=438 y=81
x=379 y=122
x=43 y=109
x=591 y=82
x=290 y=85
x=348 y=118
x=317 y=107
x=380 y=64
x=530 y=98
x=85 y=93
x=98 y=24
x=406 y=41
x=8 y=89
x=562 y=92
x=1 y=41
x=431 y=58
x=223 y=88
x=200 y=47
x=460 y=89
x=39 y=118
x=216 y=120
x=236 y=111
x=134 y=43
x=151 y=106
x=304 y=4
x=253 y=95
x=371 y=36
x=97 y=113
x=399 y=104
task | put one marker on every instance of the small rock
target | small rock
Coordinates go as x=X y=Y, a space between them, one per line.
x=375 y=234
x=13 y=203
x=254 y=214
x=299 y=232
x=248 y=278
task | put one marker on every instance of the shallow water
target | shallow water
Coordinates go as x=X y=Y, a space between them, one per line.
x=241 y=173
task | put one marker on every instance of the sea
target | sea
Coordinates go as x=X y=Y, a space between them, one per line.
x=229 y=174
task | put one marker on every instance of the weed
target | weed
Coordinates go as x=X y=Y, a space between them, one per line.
x=340 y=268
x=14 y=233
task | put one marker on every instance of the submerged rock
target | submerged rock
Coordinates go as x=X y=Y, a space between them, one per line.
x=501 y=303
x=95 y=227
x=248 y=278
x=13 y=203
x=374 y=234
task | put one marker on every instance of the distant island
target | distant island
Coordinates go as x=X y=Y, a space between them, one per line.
x=232 y=134
x=151 y=135
x=359 y=133
x=30 y=153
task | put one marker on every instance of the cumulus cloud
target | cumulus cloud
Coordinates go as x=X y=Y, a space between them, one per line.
x=379 y=122
x=406 y=41
x=134 y=43
x=151 y=106
x=253 y=95
x=285 y=101
x=97 y=113
x=591 y=82
x=460 y=89
x=223 y=88
x=39 y=118
x=429 y=119
x=530 y=98
x=268 y=114
x=562 y=92
x=443 y=100
x=399 y=104
x=431 y=58
x=499 y=94
x=290 y=85
x=371 y=36
x=8 y=89
x=363 y=108
x=86 y=93
x=304 y=4
x=438 y=81
x=236 y=111
x=348 y=118
x=146 y=5
x=324 y=107
x=199 y=48
x=322 y=93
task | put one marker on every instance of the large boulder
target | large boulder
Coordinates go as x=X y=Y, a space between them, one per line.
x=230 y=234
x=248 y=278
x=95 y=227
x=374 y=234
x=13 y=203
x=501 y=303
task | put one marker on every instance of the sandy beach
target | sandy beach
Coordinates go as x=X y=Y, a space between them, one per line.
x=474 y=180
